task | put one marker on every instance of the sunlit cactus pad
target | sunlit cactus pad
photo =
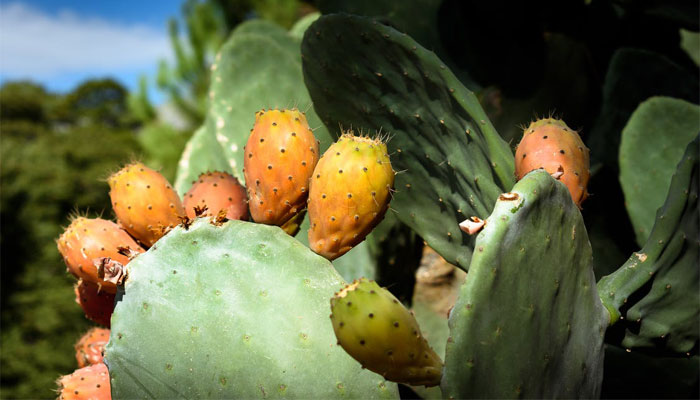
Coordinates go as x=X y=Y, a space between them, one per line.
x=232 y=311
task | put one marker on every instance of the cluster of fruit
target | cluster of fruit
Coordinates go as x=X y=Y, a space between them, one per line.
x=346 y=191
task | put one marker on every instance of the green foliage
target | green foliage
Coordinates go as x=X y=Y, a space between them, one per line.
x=653 y=141
x=451 y=160
x=196 y=283
x=102 y=102
x=162 y=146
x=47 y=173
x=23 y=101
x=528 y=321
x=661 y=281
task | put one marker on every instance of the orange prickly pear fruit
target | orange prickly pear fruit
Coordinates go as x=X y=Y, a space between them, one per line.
x=97 y=305
x=86 y=383
x=217 y=191
x=145 y=203
x=280 y=157
x=550 y=144
x=89 y=239
x=349 y=195
x=88 y=350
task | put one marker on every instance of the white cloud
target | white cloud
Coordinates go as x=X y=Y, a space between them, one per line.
x=38 y=45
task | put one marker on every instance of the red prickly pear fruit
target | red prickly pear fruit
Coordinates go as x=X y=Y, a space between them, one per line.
x=86 y=383
x=550 y=144
x=145 y=203
x=88 y=350
x=217 y=191
x=350 y=193
x=89 y=239
x=98 y=305
x=280 y=157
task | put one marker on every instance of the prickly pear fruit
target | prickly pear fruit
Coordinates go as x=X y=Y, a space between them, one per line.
x=88 y=239
x=349 y=195
x=144 y=202
x=379 y=332
x=86 y=383
x=88 y=350
x=550 y=144
x=98 y=305
x=217 y=191
x=280 y=157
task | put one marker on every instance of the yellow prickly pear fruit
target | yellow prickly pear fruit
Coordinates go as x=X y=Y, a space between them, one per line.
x=144 y=202
x=550 y=144
x=350 y=192
x=379 y=332
x=280 y=156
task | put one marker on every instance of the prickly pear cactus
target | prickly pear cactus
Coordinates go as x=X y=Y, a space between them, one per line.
x=667 y=316
x=238 y=310
x=452 y=163
x=653 y=141
x=528 y=322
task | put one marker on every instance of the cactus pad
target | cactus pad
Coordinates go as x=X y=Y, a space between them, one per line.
x=240 y=310
x=667 y=315
x=528 y=322
x=452 y=163
x=653 y=141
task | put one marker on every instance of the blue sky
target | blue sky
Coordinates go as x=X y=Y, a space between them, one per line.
x=60 y=43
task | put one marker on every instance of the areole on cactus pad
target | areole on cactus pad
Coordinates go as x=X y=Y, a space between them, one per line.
x=350 y=193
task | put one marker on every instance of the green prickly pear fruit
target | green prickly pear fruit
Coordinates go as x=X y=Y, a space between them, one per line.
x=88 y=383
x=88 y=239
x=88 y=350
x=98 y=305
x=145 y=203
x=217 y=191
x=350 y=192
x=550 y=144
x=379 y=332
x=280 y=156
